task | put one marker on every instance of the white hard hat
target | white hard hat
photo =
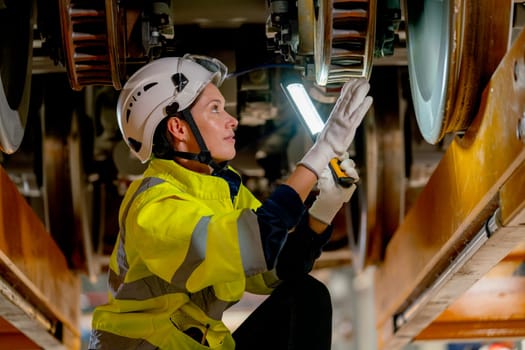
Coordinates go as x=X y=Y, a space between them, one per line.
x=168 y=81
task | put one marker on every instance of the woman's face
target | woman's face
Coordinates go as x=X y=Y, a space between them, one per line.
x=216 y=126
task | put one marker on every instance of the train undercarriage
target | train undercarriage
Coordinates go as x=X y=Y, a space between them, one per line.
x=440 y=211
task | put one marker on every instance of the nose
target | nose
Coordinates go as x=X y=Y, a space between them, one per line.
x=232 y=121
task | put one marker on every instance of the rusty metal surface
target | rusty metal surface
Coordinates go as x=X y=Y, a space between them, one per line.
x=461 y=194
x=28 y=257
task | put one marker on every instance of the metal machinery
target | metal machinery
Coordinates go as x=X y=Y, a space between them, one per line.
x=448 y=245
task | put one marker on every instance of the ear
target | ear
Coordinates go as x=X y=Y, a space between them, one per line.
x=178 y=129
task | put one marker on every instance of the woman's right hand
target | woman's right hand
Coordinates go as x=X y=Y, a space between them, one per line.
x=339 y=131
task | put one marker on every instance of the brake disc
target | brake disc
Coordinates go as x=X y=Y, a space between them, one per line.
x=344 y=40
x=93 y=35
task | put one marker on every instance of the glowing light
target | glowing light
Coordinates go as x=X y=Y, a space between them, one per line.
x=305 y=107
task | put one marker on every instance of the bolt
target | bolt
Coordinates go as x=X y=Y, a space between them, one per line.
x=521 y=128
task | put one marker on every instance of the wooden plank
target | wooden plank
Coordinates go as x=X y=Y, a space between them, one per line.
x=512 y=194
x=35 y=268
x=492 y=308
x=458 y=279
x=26 y=319
x=12 y=338
x=460 y=195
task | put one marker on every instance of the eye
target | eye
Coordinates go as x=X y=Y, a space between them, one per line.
x=215 y=108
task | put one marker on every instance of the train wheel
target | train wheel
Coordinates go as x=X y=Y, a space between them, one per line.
x=16 y=52
x=449 y=62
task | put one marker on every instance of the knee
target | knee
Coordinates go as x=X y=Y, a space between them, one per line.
x=310 y=290
x=318 y=291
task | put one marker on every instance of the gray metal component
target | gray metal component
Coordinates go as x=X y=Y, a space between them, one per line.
x=11 y=127
x=15 y=71
x=344 y=44
x=429 y=51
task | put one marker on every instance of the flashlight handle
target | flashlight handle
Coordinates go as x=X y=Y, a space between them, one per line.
x=340 y=177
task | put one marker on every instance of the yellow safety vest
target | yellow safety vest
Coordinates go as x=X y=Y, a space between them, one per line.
x=185 y=253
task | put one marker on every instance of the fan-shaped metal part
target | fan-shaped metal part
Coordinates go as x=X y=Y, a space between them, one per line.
x=93 y=41
x=344 y=42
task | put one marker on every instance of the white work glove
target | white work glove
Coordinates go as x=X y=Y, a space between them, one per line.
x=332 y=196
x=339 y=131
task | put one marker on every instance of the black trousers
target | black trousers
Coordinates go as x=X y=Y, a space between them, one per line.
x=297 y=315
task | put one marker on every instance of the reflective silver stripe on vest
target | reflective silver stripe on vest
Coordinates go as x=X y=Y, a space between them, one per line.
x=116 y=282
x=154 y=286
x=209 y=303
x=142 y=289
x=196 y=253
x=101 y=340
x=250 y=244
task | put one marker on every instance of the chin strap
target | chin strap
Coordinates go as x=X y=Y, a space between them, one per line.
x=204 y=156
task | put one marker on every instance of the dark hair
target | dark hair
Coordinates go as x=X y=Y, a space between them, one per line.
x=162 y=141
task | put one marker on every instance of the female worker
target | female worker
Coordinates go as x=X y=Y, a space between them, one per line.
x=193 y=239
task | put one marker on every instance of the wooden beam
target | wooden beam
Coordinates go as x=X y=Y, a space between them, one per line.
x=512 y=194
x=441 y=229
x=492 y=308
x=39 y=294
x=12 y=338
